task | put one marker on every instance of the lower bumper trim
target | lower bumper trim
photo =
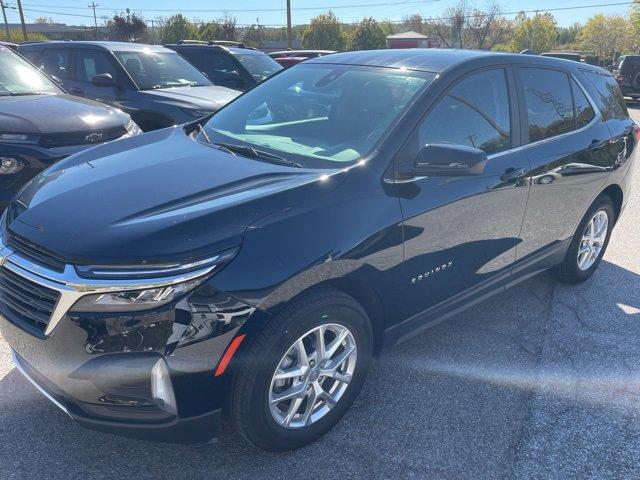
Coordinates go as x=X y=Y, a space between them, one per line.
x=18 y=363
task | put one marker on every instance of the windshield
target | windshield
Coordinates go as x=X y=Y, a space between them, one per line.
x=18 y=77
x=319 y=115
x=151 y=70
x=258 y=65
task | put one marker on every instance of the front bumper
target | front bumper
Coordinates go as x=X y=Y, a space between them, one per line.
x=97 y=367
x=199 y=429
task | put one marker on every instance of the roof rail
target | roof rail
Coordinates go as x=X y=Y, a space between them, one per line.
x=180 y=42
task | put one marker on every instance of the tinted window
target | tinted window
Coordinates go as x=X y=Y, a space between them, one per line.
x=92 y=63
x=319 y=114
x=475 y=113
x=549 y=102
x=218 y=65
x=58 y=63
x=258 y=65
x=610 y=94
x=151 y=70
x=584 y=110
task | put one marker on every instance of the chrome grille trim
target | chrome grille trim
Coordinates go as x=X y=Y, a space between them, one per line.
x=72 y=287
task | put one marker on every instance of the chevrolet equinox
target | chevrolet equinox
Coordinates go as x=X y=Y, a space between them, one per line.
x=254 y=262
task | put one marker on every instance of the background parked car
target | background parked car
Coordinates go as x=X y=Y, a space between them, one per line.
x=288 y=58
x=155 y=85
x=584 y=57
x=234 y=66
x=29 y=140
x=627 y=73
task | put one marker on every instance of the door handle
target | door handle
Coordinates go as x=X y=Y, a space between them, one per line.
x=513 y=174
x=597 y=144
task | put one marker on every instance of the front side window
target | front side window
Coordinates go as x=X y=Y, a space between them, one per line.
x=474 y=113
x=17 y=77
x=92 y=63
x=549 y=102
x=319 y=115
x=153 y=70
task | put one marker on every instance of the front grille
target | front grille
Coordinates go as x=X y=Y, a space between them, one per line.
x=25 y=302
x=81 y=138
x=35 y=253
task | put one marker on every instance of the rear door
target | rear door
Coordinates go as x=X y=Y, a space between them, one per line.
x=461 y=233
x=567 y=143
x=92 y=62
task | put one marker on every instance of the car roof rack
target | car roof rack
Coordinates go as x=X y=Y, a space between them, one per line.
x=217 y=43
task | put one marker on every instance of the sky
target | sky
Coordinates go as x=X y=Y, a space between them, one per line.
x=272 y=12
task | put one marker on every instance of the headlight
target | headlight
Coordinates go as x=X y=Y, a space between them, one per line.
x=132 y=129
x=197 y=113
x=10 y=165
x=134 y=300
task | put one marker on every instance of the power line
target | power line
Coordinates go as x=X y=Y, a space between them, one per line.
x=556 y=9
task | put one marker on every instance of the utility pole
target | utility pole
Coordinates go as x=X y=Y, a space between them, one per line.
x=6 y=24
x=93 y=5
x=289 y=39
x=24 y=27
x=153 y=31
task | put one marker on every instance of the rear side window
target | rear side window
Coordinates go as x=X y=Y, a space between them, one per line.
x=58 y=63
x=475 y=113
x=584 y=109
x=549 y=102
x=610 y=95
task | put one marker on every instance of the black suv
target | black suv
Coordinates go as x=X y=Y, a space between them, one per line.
x=236 y=66
x=627 y=73
x=259 y=261
x=40 y=124
x=157 y=87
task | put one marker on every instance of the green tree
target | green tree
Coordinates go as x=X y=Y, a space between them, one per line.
x=127 y=27
x=209 y=31
x=254 y=35
x=607 y=36
x=537 y=33
x=324 y=32
x=368 y=35
x=16 y=36
x=177 y=27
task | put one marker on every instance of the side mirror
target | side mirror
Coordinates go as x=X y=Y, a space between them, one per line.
x=445 y=160
x=103 y=80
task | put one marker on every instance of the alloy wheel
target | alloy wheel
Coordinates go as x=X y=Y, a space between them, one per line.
x=312 y=376
x=593 y=238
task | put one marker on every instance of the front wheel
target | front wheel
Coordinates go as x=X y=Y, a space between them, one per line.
x=302 y=372
x=589 y=242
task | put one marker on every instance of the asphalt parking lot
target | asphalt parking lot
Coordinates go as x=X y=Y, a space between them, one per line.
x=540 y=382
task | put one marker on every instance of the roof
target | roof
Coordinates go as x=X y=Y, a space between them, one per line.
x=113 y=46
x=407 y=35
x=426 y=59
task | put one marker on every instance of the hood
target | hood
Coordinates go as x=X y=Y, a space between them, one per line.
x=25 y=114
x=210 y=97
x=158 y=197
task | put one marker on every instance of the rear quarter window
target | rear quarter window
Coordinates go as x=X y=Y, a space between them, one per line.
x=610 y=96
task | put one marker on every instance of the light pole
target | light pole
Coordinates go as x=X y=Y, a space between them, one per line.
x=24 y=27
x=289 y=39
x=6 y=24
x=93 y=5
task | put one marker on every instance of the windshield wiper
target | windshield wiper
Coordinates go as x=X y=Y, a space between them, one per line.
x=251 y=152
x=201 y=130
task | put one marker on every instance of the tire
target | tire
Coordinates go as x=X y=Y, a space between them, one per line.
x=252 y=388
x=570 y=270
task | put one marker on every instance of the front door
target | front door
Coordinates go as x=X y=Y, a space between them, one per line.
x=461 y=233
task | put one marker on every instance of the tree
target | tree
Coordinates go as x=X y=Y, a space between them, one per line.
x=44 y=20
x=210 y=31
x=368 y=35
x=177 y=27
x=537 y=33
x=413 y=23
x=568 y=35
x=451 y=28
x=607 y=36
x=127 y=27
x=487 y=28
x=254 y=35
x=324 y=32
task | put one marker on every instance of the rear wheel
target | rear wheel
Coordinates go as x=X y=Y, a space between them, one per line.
x=589 y=242
x=302 y=372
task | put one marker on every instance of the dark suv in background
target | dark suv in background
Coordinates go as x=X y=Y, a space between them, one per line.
x=40 y=124
x=236 y=67
x=156 y=86
x=259 y=261
x=627 y=73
